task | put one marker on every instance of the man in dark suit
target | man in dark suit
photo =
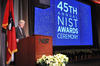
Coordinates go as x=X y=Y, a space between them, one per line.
x=20 y=34
x=20 y=31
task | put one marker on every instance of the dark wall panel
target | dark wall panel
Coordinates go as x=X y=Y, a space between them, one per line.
x=0 y=34
x=41 y=3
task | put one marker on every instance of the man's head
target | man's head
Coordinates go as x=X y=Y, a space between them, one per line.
x=21 y=23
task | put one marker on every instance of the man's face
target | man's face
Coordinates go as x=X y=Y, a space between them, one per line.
x=22 y=25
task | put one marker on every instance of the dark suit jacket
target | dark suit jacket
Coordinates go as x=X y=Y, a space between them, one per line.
x=19 y=35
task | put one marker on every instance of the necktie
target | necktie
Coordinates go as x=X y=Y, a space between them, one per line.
x=21 y=30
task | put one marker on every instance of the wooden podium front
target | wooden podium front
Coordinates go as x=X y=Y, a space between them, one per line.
x=32 y=48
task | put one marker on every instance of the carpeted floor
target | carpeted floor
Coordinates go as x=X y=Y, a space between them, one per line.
x=90 y=62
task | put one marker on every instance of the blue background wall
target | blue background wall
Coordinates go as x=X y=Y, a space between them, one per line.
x=46 y=23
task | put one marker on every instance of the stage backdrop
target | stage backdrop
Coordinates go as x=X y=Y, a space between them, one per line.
x=69 y=22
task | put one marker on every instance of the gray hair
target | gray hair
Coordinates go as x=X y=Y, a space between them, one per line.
x=21 y=21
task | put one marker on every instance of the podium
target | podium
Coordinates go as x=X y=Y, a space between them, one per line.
x=32 y=48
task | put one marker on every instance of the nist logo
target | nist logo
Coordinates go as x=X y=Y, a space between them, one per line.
x=44 y=40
